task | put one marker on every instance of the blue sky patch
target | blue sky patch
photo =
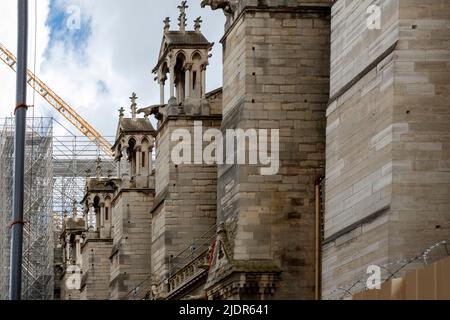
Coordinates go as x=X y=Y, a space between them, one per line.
x=102 y=87
x=69 y=28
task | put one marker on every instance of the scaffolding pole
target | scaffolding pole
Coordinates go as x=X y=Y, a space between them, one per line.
x=15 y=288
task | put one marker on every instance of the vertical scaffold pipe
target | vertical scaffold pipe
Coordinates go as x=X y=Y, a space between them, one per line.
x=15 y=288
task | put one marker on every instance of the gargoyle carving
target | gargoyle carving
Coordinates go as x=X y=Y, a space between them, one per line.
x=228 y=6
x=156 y=110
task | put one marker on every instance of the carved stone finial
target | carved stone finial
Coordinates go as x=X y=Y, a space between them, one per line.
x=133 y=107
x=74 y=209
x=98 y=169
x=121 y=112
x=182 y=17
x=88 y=173
x=166 y=24
x=198 y=24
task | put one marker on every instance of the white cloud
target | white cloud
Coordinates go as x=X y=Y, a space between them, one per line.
x=119 y=55
x=8 y=37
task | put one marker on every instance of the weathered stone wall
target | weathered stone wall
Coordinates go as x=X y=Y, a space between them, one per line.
x=131 y=252
x=354 y=46
x=162 y=164
x=185 y=205
x=421 y=156
x=96 y=269
x=215 y=101
x=359 y=176
x=276 y=76
x=388 y=182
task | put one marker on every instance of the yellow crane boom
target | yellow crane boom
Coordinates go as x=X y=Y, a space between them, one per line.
x=59 y=104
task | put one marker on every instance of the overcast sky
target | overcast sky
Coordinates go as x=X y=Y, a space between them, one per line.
x=97 y=66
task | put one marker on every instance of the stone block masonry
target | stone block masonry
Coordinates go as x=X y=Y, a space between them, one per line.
x=96 y=268
x=276 y=75
x=387 y=186
x=185 y=204
x=374 y=122
x=131 y=252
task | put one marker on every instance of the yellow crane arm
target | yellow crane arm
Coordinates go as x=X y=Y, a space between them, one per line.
x=59 y=104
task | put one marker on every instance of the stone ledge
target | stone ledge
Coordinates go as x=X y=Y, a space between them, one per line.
x=357 y=224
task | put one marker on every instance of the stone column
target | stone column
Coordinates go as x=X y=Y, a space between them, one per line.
x=138 y=160
x=107 y=229
x=133 y=169
x=102 y=217
x=203 y=86
x=78 y=261
x=161 y=92
x=89 y=215
x=119 y=168
x=68 y=249
x=97 y=212
x=187 y=81
x=123 y=162
x=172 y=81
x=150 y=160
x=144 y=151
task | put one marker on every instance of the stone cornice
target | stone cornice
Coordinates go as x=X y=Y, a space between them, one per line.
x=324 y=10
x=163 y=123
x=88 y=240
x=146 y=191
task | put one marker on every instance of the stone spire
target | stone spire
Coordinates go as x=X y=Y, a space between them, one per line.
x=74 y=209
x=133 y=107
x=198 y=24
x=182 y=17
x=166 y=24
x=98 y=169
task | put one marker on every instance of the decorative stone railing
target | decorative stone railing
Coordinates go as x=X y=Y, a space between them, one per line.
x=194 y=270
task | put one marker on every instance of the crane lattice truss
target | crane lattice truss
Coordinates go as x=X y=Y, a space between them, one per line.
x=59 y=104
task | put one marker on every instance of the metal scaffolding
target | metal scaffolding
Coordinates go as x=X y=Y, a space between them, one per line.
x=56 y=170
x=37 y=266
x=74 y=159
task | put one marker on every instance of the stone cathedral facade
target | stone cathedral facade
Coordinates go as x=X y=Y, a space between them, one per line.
x=363 y=116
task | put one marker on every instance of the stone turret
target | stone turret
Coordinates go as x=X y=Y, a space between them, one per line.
x=185 y=193
x=97 y=239
x=183 y=60
x=131 y=228
x=71 y=239
x=133 y=148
